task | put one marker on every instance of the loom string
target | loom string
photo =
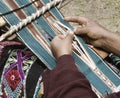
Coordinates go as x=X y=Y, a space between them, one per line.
x=11 y=17
x=65 y=4
x=21 y=7
x=13 y=21
x=3 y=8
x=56 y=13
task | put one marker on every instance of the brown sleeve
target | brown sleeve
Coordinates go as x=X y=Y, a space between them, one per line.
x=65 y=81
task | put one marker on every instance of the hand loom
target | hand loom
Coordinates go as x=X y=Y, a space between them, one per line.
x=37 y=23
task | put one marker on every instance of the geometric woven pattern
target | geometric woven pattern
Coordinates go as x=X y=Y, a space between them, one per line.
x=15 y=72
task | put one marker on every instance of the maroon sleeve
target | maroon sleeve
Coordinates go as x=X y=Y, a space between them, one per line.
x=65 y=81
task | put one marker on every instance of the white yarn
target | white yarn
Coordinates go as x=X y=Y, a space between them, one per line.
x=29 y=19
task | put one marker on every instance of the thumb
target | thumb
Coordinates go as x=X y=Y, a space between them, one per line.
x=70 y=36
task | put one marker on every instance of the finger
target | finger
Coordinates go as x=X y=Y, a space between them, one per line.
x=70 y=36
x=87 y=40
x=55 y=39
x=80 y=20
x=61 y=36
x=80 y=31
x=58 y=37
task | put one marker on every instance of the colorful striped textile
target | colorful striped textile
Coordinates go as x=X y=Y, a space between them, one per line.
x=38 y=34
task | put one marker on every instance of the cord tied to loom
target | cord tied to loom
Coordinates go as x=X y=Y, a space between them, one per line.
x=29 y=19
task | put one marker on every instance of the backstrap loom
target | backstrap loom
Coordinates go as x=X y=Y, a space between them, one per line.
x=36 y=25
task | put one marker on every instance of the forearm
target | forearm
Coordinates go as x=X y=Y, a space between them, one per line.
x=111 y=43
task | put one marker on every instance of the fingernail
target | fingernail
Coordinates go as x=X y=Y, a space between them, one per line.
x=70 y=32
x=83 y=25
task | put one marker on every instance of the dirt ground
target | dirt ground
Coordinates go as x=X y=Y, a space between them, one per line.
x=106 y=12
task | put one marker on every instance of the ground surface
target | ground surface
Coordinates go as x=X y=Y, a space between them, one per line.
x=106 y=12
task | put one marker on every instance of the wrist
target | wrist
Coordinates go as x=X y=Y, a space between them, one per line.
x=107 y=38
x=62 y=54
x=111 y=43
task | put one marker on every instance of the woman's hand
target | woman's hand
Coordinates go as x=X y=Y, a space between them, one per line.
x=90 y=31
x=62 y=45
x=96 y=35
